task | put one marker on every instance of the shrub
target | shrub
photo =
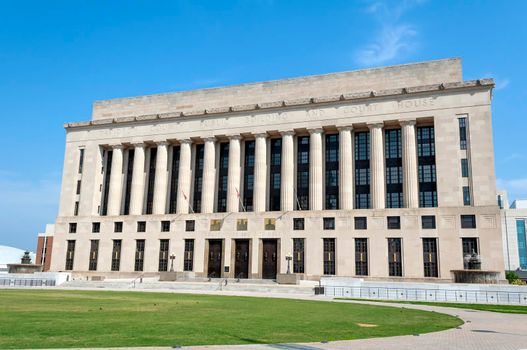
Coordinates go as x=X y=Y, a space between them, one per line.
x=511 y=276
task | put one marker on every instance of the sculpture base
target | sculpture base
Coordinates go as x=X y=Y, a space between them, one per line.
x=287 y=278
x=168 y=276
x=476 y=276
x=24 y=268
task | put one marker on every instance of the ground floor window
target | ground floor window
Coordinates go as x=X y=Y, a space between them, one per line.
x=139 y=254
x=94 y=254
x=188 y=263
x=298 y=255
x=430 y=257
x=163 y=254
x=361 y=256
x=329 y=256
x=395 y=265
x=70 y=255
x=116 y=255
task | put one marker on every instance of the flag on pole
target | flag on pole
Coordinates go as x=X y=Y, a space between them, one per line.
x=189 y=205
x=240 y=199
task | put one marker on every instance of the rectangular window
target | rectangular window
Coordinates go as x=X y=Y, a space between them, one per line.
x=174 y=179
x=269 y=224
x=430 y=257
x=464 y=167
x=73 y=227
x=76 y=209
x=332 y=171
x=361 y=223
x=298 y=255
x=163 y=254
x=468 y=221
x=94 y=255
x=298 y=223
x=395 y=264
x=198 y=177
x=116 y=255
x=426 y=167
x=241 y=224
x=394 y=222
x=107 y=170
x=522 y=243
x=248 y=176
x=223 y=173
x=362 y=170
x=361 y=256
x=470 y=246
x=302 y=173
x=329 y=256
x=151 y=180
x=188 y=263
x=329 y=223
x=70 y=255
x=462 y=133
x=165 y=226
x=81 y=160
x=139 y=254
x=96 y=227
x=394 y=168
x=118 y=226
x=428 y=222
x=275 y=174
x=466 y=195
x=79 y=182
x=190 y=225
x=141 y=226
x=128 y=182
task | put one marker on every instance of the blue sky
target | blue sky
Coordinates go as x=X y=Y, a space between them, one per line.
x=57 y=57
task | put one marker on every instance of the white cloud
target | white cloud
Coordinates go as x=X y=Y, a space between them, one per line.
x=393 y=38
x=512 y=157
x=516 y=188
x=501 y=83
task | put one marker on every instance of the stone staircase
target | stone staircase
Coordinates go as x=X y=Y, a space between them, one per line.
x=214 y=285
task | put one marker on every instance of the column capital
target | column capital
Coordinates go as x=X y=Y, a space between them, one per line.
x=117 y=146
x=315 y=130
x=161 y=143
x=345 y=128
x=404 y=122
x=287 y=132
x=138 y=144
x=234 y=137
x=210 y=139
x=375 y=125
x=185 y=141
x=261 y=135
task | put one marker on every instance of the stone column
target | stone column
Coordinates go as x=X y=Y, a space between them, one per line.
x=260 y=173
x=410 y=178
x=287 y=189
x=316 y=178
x=137 y=195
x=116 y=182
x=233 y=176
x=378 y=180
x=183 y=195
x=209 y=176
x=161 y=179
x=346 y=168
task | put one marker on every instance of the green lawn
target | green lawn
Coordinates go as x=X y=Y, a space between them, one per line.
x=509 y=309
x=52 y=319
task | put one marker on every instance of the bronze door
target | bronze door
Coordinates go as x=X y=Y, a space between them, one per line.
x=215 y=258
x=241 y=264
x=269 y=259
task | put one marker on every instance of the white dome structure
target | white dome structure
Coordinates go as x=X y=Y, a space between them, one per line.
x=11 y=255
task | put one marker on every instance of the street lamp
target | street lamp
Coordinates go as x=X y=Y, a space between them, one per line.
x=288 y=258
x=172 y=257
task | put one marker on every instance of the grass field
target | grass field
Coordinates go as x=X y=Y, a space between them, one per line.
x=51 y=319
x=508 y=309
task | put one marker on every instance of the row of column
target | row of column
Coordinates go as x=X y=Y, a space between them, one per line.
x=316 y=176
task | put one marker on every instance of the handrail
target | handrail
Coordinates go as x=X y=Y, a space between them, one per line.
x=138 y=277
x=223 y=282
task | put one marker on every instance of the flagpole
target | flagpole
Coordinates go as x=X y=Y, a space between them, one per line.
x=240 y=199
x=189 y=205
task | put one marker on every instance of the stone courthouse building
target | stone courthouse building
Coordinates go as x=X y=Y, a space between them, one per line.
x=381 y=173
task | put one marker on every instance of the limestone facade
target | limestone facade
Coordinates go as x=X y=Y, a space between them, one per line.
x=259 y=199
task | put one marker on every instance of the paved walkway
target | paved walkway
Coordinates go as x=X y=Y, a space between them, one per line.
x=482 y=331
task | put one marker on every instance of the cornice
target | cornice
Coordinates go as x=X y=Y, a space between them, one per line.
x=290 y=103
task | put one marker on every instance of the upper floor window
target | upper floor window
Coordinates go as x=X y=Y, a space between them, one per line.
x=462 y=132
x=118 y=226
x=394 y=222
x=468 y=221
x=361 y=222
x=329 y=223
x=298 y=223
x=96 y=227
x=428 y=222
x=141 y=226
x=464 y=167
x=81 y=160
x=73 y=227
x=190 y=225
x=165 y=226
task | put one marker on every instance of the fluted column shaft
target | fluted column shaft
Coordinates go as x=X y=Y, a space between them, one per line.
x=161 y=179
x=116 y=182
x=287 y=190
x=378 y=195
x=410 y=177
x=233 y=175
x=260 y=173
x=316 y=178
x=346 y=168
x=138 y=181
x=209 y=176
x=183 y=195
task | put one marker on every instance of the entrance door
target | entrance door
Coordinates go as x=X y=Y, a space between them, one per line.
x=269 y=259
x=241 y=264
x=215 y=258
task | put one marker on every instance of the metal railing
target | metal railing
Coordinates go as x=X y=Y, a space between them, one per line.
x=429 y=295
x=140 y=278
x=26 y=282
